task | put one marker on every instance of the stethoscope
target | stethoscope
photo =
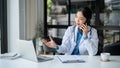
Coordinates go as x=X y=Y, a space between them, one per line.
x=74 y=31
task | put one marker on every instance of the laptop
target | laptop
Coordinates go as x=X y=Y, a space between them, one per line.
x=27 y=51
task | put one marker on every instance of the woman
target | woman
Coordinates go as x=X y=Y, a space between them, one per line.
x=79 y=39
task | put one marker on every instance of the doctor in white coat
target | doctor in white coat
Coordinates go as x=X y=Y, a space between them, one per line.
x=79 y=39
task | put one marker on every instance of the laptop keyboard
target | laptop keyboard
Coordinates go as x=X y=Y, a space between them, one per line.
x=44 y=58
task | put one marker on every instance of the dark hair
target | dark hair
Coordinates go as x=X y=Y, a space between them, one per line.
x=87 y=13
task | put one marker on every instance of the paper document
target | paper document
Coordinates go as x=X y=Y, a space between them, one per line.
x=70 y=59
x=10 y=55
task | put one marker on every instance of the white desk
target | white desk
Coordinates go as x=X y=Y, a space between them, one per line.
x=91 y=62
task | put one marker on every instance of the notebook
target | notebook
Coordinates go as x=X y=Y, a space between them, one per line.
x=27 y=51
x=70 y=59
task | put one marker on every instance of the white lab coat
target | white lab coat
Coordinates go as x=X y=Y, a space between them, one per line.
x=86 y=47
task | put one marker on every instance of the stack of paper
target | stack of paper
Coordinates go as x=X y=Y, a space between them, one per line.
x=70 y=59
x=10 y=55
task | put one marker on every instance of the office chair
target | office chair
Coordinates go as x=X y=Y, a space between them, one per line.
x=100 y=43
x=113 y=49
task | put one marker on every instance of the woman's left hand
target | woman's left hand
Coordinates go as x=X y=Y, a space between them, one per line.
x=84 y=28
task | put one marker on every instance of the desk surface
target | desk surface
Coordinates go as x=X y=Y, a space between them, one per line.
x=91 y=62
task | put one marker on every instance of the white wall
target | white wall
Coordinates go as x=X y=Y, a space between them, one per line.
x=13 y=19
x=13 y=24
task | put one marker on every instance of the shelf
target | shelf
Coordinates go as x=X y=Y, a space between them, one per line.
x=57 y=15
x=57 y=26
x=107 y=27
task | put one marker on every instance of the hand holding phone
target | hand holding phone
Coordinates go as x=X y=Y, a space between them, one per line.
x=84 y=29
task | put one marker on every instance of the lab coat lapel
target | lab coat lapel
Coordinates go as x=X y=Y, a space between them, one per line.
x=73 y=44
x=76 y=30
x=74 y=35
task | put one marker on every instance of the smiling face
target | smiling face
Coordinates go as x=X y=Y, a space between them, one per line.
x=79 y=18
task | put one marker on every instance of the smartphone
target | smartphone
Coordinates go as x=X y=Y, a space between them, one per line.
x=84 y=24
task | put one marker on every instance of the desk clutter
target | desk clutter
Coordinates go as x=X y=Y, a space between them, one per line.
x=10 y=55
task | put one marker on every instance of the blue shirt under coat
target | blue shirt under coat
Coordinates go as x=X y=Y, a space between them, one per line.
x=76 y=49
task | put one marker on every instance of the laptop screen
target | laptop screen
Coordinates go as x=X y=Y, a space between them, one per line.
x=27 y=50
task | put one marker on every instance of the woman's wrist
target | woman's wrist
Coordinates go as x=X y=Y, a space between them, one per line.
x=85 y=37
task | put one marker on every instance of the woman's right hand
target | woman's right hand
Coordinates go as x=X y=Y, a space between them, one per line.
x=50 y=43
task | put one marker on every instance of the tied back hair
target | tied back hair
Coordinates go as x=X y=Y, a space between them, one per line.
x=87 y=13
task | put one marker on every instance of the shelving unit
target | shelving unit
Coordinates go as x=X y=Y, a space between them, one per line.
x=63 y=18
